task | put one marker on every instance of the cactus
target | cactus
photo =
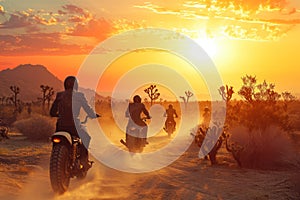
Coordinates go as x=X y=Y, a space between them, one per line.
x=152 y=92
x=14 y=99
x=226 y=93
x=202 y=133
x=47 y=94
x=188 y=95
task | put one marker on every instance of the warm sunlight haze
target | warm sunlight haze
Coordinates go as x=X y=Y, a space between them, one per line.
x=150 y=99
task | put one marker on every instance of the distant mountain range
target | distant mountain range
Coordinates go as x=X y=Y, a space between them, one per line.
x=29 y=78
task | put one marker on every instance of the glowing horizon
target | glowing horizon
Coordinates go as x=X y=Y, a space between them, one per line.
x=254 y=37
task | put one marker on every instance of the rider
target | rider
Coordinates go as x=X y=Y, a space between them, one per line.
x=67 y=110
x=206 y=117
x=134 y=112
x=170 y=113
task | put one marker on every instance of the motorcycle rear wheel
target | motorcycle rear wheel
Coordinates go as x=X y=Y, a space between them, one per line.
x=60 y=169
x=170 y=129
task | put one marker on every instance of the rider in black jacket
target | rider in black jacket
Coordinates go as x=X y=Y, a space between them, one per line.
x=66 y=107
x=134 y=112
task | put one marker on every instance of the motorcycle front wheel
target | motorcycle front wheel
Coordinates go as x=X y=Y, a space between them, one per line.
x=60 y=169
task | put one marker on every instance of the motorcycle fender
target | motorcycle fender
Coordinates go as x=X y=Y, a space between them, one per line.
x=65 y=135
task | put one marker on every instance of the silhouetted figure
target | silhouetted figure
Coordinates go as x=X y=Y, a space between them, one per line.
x=67 y=112
x=170 y=114
x=134 y=112
x=206 y=117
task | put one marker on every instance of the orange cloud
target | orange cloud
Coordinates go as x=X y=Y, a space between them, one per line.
x=39 y=44
x=251 y=16
x=58 y=38
x=98 y=28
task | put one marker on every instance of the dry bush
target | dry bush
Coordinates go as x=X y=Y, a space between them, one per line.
x=37 y=127
x=7 y=115
x=263 y=149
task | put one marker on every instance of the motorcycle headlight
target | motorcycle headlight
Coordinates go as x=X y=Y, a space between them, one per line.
x=56 y=140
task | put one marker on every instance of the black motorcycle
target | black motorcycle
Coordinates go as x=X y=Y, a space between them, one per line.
x=170 y=127
x=134 y=140
x=65 y=160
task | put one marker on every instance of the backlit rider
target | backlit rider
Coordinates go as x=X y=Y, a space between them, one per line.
x=134 y=112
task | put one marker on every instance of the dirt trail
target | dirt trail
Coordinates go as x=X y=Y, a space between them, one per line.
x=24 y=174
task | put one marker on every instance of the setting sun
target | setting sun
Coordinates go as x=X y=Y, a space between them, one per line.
x=209 y=45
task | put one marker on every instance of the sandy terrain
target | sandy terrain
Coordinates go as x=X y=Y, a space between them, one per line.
x=24 y=175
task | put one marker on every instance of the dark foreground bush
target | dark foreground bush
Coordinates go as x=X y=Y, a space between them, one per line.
x=37 y=127
x=267 y=149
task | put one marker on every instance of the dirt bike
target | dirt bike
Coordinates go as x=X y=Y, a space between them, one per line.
x=170 y=127
x=65 y=160
x=134 y=140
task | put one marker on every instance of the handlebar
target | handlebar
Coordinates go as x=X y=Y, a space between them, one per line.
x=86 y=118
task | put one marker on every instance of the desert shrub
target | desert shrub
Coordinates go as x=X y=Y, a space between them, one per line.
x=37 y=127
x=263 y=149
x=261 y=106
x=294 y=114
x=7 y=114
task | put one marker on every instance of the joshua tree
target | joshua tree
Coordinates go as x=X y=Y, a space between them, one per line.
x=161 y=101
x=49 y=96
x=44 y=91
x=152 y=92
x=287 y=97
x=2 y=100
x=14 y=98
x=47 y=93
x=248 y=88
x=226 y=93
x=188 y=95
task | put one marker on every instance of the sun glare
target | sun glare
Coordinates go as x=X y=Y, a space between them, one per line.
x=208 y=44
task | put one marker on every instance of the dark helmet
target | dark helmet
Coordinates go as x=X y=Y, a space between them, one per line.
x=71 y=83
x=170 y=106
x=137 y=99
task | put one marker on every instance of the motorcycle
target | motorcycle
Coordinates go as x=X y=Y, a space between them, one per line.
x=65 y=160
x=134 y=140
x=170 y=127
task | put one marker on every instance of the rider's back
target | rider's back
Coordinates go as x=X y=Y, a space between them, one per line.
x=135 y=110
x=170 y=112
x=67 y=106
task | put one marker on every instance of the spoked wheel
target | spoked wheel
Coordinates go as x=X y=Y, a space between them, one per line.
x=60 y=169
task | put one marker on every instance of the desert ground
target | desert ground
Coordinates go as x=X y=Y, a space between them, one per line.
x=24 y=173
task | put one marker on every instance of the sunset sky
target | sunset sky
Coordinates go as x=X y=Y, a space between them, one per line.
x=254 y=37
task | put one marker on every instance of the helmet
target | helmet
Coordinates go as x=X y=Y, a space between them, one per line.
x=137 y=99
x=71 y=83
